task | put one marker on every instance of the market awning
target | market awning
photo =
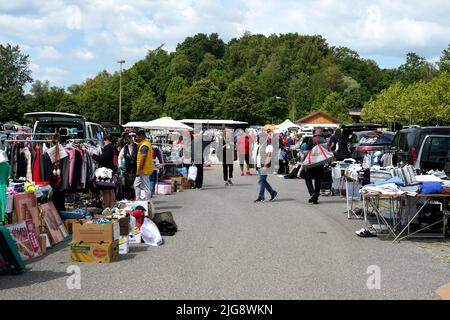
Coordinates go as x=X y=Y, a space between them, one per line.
x=135 y=124
x=286 y=125
x=271 y=127
x=166 y=123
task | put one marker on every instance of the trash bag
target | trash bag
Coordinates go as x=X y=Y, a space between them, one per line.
x=150 y=233
x=192 y=173
x=165 y=223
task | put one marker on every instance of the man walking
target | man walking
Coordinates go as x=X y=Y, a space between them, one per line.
x=144 y=166
x=263 y=164
x=315 y=173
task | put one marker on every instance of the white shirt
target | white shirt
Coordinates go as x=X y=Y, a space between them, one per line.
x=269 y=149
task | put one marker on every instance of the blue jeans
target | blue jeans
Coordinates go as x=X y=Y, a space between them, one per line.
x=263 y=184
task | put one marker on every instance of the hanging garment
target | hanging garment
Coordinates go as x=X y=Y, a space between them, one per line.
x=71 y=153
x=29 y=172
x=37 y=165
x=5 y=174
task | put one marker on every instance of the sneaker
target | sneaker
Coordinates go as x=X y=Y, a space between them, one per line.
x=249 y=173
x=242 y=174
x=274 y=195
x=226 y=184
x=259 y=200
x=230 y=182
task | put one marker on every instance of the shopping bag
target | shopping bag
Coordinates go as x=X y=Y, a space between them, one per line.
x=150 y=233
x=192 y=173
x=317 y=156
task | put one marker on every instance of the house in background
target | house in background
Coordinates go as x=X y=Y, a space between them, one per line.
x=317 y=119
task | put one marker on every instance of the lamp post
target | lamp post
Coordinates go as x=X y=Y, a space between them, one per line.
x=120 y=91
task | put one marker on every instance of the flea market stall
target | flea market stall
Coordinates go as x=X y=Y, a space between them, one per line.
x=49 y=197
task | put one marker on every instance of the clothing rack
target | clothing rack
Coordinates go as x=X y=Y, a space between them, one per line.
x=30 y=140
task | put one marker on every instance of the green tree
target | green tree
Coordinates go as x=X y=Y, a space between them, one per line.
x=196 y=102
x=275 y=110
x=241 y=101
x=335 y=106
x=146 y=107
x=415 y=69
x=14 y=69
x=14 y=75
x=444 y=61
x=176 y=85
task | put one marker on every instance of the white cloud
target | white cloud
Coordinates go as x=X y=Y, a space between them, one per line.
x=48 y=53
x=84 y=54
x=73 y=18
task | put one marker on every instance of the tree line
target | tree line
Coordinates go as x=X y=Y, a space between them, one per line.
x=254 y=78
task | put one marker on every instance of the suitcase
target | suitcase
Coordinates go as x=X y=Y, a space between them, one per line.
x=10 y=257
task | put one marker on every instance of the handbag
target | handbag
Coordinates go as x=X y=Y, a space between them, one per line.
x=317 y=156
x=106 y=182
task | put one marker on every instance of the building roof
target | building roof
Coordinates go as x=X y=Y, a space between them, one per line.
x=309 y=117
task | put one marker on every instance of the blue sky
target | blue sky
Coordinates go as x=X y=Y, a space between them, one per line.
x=71 y=40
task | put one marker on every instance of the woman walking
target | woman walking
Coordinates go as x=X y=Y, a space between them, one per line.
x=227 y=157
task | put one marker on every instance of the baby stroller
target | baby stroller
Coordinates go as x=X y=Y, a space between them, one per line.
x=326 y=185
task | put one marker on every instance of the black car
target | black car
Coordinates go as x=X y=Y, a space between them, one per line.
x=408 y=141
x=114 y=130
x=364 y=142
x=345 y=133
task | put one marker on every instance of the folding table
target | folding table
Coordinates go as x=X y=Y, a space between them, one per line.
x=350 y=197
x=442 y=198
x=395 y=209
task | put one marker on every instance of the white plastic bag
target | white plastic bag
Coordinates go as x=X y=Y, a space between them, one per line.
x=150 y=233
x=192 y=173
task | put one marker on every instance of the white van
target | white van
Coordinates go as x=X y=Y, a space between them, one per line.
x=68 y=125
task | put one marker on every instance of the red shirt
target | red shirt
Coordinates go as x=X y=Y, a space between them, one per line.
x=243 y=145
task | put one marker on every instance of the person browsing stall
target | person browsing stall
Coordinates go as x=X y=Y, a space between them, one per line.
x=106 y=160
x=144 y=166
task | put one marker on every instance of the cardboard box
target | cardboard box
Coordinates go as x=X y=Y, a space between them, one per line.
x=94 y=252
x=95 y=233
x=124 y=224
x=68 y=223
x=43 y=239
x=124 y=247
x=185 y=184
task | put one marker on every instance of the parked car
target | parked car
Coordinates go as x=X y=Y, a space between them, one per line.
x=364 y=142
x=345 y=133
x=408 y=142
x=434 y=154
x=68 y=125
x=112 y=129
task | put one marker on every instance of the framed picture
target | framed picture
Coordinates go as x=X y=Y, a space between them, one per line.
x=53 y=223
x=23 y=202
x=26 y=239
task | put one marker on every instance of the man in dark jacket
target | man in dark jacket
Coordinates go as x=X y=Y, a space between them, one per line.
x=315 y=173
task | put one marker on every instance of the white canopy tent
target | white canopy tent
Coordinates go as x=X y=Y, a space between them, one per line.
x=286 y=125
x=165 y=123
x=135 y=124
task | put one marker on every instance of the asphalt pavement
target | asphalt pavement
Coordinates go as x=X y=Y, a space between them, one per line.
x=228 y=247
